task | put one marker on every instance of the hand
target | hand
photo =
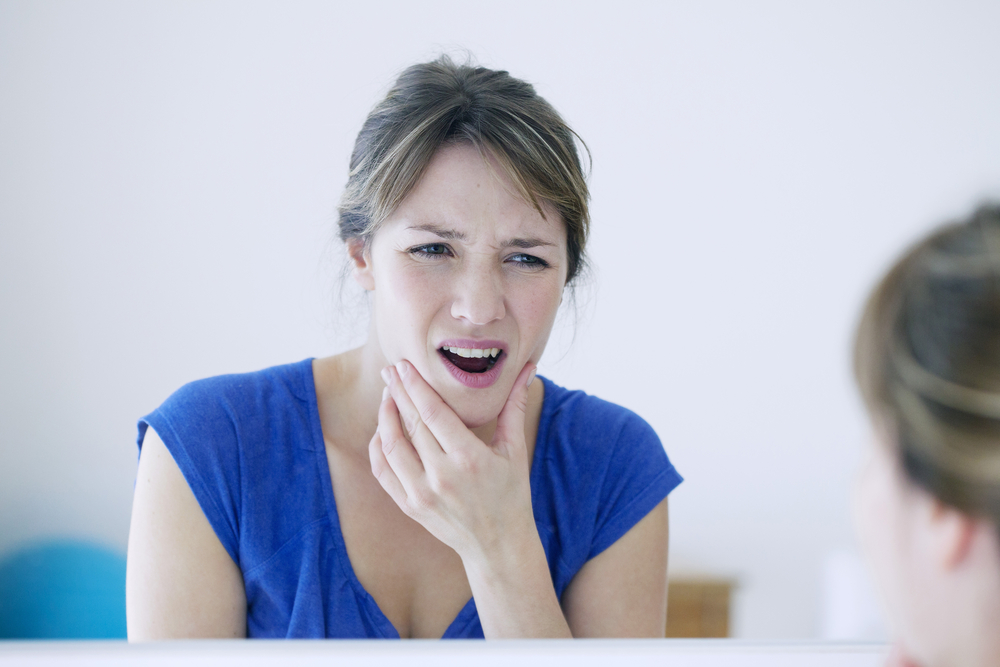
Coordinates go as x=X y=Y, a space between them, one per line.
x=473 y=497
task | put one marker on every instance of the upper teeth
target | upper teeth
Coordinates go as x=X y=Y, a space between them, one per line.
x=474 y=352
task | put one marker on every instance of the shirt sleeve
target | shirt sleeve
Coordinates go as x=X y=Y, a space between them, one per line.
x=199 y=427
x=639 y=475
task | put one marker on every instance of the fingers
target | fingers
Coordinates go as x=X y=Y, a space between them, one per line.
x=396 y=448
x=510 y=422
x=423 y=440
x=421 y=407
x=383 y=472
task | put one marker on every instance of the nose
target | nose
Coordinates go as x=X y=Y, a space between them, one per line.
x=478 y=296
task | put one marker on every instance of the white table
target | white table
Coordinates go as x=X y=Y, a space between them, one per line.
x=426 y=653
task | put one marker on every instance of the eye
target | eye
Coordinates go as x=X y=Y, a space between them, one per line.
x=430 y=250
x=528 y=261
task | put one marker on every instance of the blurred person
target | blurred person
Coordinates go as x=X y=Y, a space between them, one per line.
x=422 y=485
x=927 y=504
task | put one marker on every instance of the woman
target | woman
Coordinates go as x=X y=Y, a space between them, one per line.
x=422 y=485
x=927 y=359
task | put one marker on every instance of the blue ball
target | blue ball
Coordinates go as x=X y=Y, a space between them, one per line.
x=62 y=590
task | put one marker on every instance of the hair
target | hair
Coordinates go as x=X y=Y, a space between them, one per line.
x=439 y=102
x=927 y=361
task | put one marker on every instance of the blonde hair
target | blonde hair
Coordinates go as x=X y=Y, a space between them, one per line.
x=440 y=102
x=927 y=361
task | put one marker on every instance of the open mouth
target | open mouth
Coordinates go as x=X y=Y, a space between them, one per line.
x=472 y=360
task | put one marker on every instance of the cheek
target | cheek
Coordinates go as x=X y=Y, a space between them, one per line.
x=536 y=313
x=878 y=509
x=872 y=514
x=402 y=288
x=405 y=302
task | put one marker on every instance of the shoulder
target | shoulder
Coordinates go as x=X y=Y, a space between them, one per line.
x=577 y=413
x=286 y=381
x=600 y=468
x=595 y=441
x=239 y=440
x=217 y=417
x=223 y=402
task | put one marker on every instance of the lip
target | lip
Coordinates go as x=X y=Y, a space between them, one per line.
x=474 y=380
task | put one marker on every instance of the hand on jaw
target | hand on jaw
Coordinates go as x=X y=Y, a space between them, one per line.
x=474 y=497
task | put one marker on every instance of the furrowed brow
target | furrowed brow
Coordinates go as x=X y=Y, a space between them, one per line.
x=447 y=234
x=526 y=243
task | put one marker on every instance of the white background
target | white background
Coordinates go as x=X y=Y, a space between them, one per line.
x=169 y=174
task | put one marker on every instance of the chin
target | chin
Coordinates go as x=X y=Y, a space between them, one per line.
x=477 y=420
x=472 y=412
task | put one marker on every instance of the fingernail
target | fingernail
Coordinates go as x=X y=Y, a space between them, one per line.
x=401 y=367
x=386 y=376
x=531 y=378
x=385 y=393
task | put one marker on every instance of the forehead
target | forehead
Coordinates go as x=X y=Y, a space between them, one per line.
x=465 y=189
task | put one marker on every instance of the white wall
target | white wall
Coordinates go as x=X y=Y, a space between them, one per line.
x=169 y=172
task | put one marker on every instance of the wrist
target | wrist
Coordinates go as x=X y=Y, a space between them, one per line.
x=513 y=590
x=505 y=561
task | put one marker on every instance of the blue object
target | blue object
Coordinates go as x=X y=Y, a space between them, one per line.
x=251 y=448
x=62 y=590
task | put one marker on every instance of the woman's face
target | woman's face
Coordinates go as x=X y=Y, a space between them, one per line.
x=467 y=279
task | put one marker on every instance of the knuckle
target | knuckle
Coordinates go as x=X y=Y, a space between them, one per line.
x=429 y=413
x=411 y=425
x=422 y=499
x=388 y=445
x=442 y=485
x=466 y=462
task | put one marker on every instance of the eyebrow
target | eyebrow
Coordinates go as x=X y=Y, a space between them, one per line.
x=447 y=234
x=451 y=234
x=527 y=243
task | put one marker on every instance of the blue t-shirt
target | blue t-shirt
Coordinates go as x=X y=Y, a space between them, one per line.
x=251 y=448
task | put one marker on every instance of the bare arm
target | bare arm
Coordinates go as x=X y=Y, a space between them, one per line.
x=180 y=580
x=622 y=592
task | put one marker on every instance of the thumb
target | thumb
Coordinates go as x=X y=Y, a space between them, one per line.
x=510 y=422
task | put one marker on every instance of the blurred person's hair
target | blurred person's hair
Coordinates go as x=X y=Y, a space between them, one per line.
x=927 y=360
x=440 y=102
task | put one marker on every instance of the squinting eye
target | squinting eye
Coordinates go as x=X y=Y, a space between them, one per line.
x=430 y=249
x=528 y=260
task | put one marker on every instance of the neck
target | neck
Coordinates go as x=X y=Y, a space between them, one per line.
x=982 y=645
x=985 y=646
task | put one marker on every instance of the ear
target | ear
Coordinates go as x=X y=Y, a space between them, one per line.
x=953 y=533
x=361 y=265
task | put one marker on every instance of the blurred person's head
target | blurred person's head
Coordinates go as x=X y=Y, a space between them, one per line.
x=927 y=360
